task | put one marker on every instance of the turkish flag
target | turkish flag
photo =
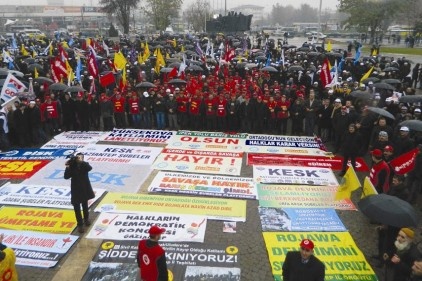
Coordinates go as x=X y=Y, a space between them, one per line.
x=404 y=163
x=107 y=79
x=325 y=74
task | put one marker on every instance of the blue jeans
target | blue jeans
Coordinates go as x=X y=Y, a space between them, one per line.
x=161 y=120
x=136 y=121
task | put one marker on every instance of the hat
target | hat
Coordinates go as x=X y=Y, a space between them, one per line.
x=388 y=148
x=404 y=129
x=307 y=244
x=383 y=134
x=337 y=100
x=409 y=233
x=168 y=91
x=417 y=110
x=171 y=95
x=403 y=108
x=146 y=94
x=177 y=89
x=370 y=83
x=155 y=230
x=32 y=102
x=376 y=153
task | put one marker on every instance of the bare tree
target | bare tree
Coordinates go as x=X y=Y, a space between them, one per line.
x=121 y=9
x=197 y=13
x=161 y=11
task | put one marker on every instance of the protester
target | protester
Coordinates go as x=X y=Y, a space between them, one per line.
x=380 y=172
x=151 y=257
x=351 y=144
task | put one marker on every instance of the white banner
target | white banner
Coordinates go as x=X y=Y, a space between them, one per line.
x=64 y=144
x=204 y=185
x=11 y=87
x=208 y=162
x=118 y=154
x=294 y=175
x=40 y=196
x=38 y=249
x=80 y=137
x=102 y=175
x=135 y=226
x=138 y=135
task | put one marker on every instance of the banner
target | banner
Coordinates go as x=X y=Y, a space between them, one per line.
x=203 y=185
x=299 y=219
x=117 y=154
x=40 y=196
x=35 y=154
x=77 y=136
x=138 y=135
x=127 y=179
x=11 y=87
x=301 y=196
x=208 y=162
x=342 y=258
x=38 y=249
x=208 y=141
x=404 y=163
x=253 y=141
x=213 y=208
x=185 y=261
x=294 y=175
x=335 y=163
x=20 y=169
x=53 y=144
x=37 y=219
x=135 y=226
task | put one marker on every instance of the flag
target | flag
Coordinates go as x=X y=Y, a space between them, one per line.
x=374 y=52
x=325 y=75
x=65 y=45
x=182 y=49
x=78 y=69
x=106 y=48
x=50 y=49
x=11 y=87
x=45 y=52
x=368 y=188
x=92 y=64
x=404 y=163
x=70 y=75
x=107 y=79
x=329 y=47
x=71 y=41
x=357 y=55
x=31 y=88
x=198 y=49
x=282 y=56
x=367 y=74
x=119 y=60
x=147 y=53
x=174 y=42
x=34 y=53
x=7 y=58
x=229 y=54
x=172 y=73
x=36 y=72
x=349 y=183
x=24 y=51
x=14 y=44
x=182 y=66
x=159 y=61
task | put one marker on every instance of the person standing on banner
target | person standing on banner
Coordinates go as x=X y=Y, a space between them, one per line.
x=302 y=265
x=351 y=145
x=80 y=188
x=7 y=262
x=151 y=257
x=380 y=172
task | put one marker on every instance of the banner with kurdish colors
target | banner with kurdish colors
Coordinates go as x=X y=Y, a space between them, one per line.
x=301 y=196
x=212 y=208
x=203 y=185
x=37 y=219
x=198 y=161
x=342 y=258
x=208 y=141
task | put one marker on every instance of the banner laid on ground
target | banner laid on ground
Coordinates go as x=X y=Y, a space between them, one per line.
x=404 y=163
x=118 y=154
x=300 y=219
x=20 y=169
x=213 y=208
x=37 y=219
x=342 y=258
x=294 y=175
x=82 y=137
x=335 y=163
x=135 y=226
x=53 y=144
x=208 y=162
x=102 y=175
x=38 y=249
x=40 y=196
x=301 y=196
x=35 y=154
x=209 y=141
x=203 y=185
x=138 y=135
x=185 y=261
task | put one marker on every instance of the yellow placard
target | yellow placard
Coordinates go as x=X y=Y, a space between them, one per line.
x=342 y=258
x=37 y=219
x=213 y=208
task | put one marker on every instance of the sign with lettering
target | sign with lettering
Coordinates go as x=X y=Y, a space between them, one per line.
x=35 y=154
x=138 y=136
x=20 y=169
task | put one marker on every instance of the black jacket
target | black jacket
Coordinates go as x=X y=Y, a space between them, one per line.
x=80 y=186
x=295 y=270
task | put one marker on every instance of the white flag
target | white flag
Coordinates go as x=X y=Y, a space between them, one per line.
x=11 y=87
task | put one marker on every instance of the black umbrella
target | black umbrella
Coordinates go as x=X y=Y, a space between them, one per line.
x=388 y=210
x=194 y=68
x=390 y=69
x=145 y=85
x=74 y=89
x=288 y=46
x=411 y=98
x=382 y=112
x=58 y=87
x=25 y=95
x=261 y=58
x=361 y=95
x=295 y=68
x=269 y=69
x=370 y=79
x=251 y=65
x=391 y=81
x=166 y=70
x=29 y=60
x=415 y=125
x=174 y=64
x=384 y=86
x=16 y=73
x=43 y=80
x=303 y=49
x=177 y=81
x=38 y=66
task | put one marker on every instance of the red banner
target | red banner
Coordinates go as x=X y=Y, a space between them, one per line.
x=404 y=163
x=20 y=169
x=325 y=75
x=334 y=163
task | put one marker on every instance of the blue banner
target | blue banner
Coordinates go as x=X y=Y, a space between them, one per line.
x=36 y=154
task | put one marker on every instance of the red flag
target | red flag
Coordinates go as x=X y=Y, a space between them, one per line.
x=58 y=69
x=325 y=75
x=92 y=65
x=107 y=79
x=404 y=163
x=230 y=53
x=172 y=73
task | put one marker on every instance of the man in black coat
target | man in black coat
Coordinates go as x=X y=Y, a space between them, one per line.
x=302 y=265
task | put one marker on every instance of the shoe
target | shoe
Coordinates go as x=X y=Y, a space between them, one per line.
x=87 y=222
x=81 y=229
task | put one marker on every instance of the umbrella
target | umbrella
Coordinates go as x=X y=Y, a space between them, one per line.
x=295 y=68
x=195 y=68
x=382 y=112
x=145 y=85
x=361 y=95
x=26 y=95
x=261 y=58
x=384 y=86
x=43 y=80
x=390 y=69
x=166 y=70
x=4 y=71
x=303 y=49
x=251 y=65
x=16 y=73
x=391 y=81
x=174 y=64
x=288 y=46
x=29 y=60
x=177 y=81
x=58 y=87
x=314 y=54
x=415 y=125
x=370 y=79
x=388 y=210
x=38 y=66
x=411 y=98
x=74 y=89
x=269 y=69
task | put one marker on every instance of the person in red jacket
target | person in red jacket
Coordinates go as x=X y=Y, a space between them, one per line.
x=151 y=257
x=119 y=110
x=210 y=112
x=380 y=172
x=221 y=105
x=283 y=107
x=182 y=109
x=194 y=110
x=134 y=110
x=50 y=109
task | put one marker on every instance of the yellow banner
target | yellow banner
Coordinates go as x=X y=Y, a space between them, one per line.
x=213 y=208
x=342 y=258
x=37 y=219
